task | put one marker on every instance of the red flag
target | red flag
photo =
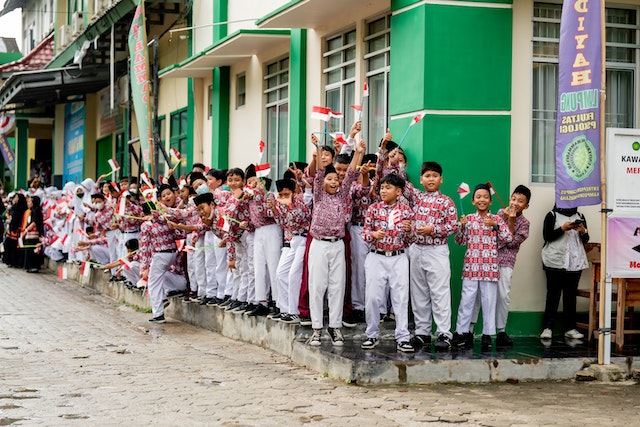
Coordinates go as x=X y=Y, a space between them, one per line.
x=335 y=115
x=261 y=146
x=416 y=119
x=357 y=107
x=122 y=204
x=125 y=263
x=365 y=88
x=144 y=176
x=62 y=273
x=491 y=189
x=463 y=190
x=175 y=154
x=339 y=137
x=321 y=113
x=263 y=170
x=85 y=269
x=180 y=244
x=113 y=164
x=223 y=224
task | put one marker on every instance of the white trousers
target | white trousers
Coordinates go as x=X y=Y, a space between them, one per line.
x=359 y=250
x=488 y=292
x=266 y=249
x=392 y=272
x=503 y=299
x=221 y=267
x=112 y=244
x=160 y=262
x=210 y=264
x=244 y=277
x=289 y=274
x=100 y=254
x=191 y=272
x=132 y=274
x=123 y=238
x=326 y=275
x=430 y=273
x=199 y=267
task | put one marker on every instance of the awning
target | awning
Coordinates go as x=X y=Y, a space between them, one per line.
x=314 y=13
x=233 y=48
x=10 y=5
x=42 y=88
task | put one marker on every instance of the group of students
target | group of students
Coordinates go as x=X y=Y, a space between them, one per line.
x=347 y=230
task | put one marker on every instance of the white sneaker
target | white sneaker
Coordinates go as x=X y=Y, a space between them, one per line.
x=574 y=335
x=546 y=334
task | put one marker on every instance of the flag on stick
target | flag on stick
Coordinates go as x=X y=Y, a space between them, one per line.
x=175 y=155
x=463 y=191
x=126 y=264
x=365 y=88
x=339 y=137
x=85 y=269
x=113 y=164
x=357 y=108
x=261 y=147
x=415 y=120
x=122 y=205
x=62 y=273
x=493 y=191
x=263 y=170
x=321 y=113
x=144 y=176
x=223 y=224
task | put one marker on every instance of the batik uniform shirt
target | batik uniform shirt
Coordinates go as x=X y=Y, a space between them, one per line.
x=221 y=197
x=294 y=218
x=481 y=258
x=377 y=218
x=259 y=213
x=237 y=210
x=328 y=218
x=437 y=210
x=383 y=168
x=102 y=221
x=507 y=251
x=131 y=224
x=362 y=198
x=155 y=236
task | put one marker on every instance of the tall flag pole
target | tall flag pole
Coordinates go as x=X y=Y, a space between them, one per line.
x=140 y=84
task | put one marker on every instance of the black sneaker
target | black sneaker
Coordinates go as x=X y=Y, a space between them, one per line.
x=503 y=340
x=233 y=305
x=369 y=344
x=468 y=339
x=213 y=301
x=291 y=319
x=175 y=293
x=486 y=342
x=225 y=301
x=260 y=310
x=250 y=308
x=336 y=336
x=240 y=308
x=420 y=341
x=159 y=319
x=204 y=301
x=305 y=321
x=166 y=303
x=443 y=343
x=405 y=347
x=349 y=322
x=458 y=341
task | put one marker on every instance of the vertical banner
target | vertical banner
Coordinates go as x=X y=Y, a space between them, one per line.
x=7 y=152
x=579 y=84
x=623 y=247
x=139 y=77
x=73 y=167
x=623 y=171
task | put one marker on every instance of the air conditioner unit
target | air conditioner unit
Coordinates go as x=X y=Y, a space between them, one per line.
x=64 y=36
x=77 y=23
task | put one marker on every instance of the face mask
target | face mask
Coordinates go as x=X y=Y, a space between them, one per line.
x=80 y=195
x=203 y=189
x=98 y=206
x=133 y=190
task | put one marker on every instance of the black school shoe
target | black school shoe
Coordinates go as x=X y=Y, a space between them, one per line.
x=443 y=343
x=485 y=344
x=420 y=341
x=503 y=340
x=159 y=319
x=260 y=310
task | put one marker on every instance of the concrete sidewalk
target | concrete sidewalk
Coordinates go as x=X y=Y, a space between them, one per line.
x=529 y=359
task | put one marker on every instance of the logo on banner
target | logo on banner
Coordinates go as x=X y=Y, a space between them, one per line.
x=579 y=158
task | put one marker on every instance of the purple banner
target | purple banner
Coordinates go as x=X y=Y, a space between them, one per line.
x=7 y=152
x=578 y=124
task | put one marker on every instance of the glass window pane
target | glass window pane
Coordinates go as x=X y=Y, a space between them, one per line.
x=377 y=62
x=545 y=80
x=184 y=122
x=272 y=97
x=283 y=141
x=376 y=111
x=377 y=25
x=334 y=60
x=284 y=93
x=334 y=76
x=350 y=71
x=350 y=37
x=377 y=43
x=272 y=82
x=619 y=111
x=350 y=54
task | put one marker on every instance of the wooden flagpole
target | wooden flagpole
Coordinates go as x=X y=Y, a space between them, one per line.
x=604 y=317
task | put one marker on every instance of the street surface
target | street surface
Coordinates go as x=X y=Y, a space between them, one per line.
x=69 y=357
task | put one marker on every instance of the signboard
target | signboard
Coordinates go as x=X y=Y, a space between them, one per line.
x=623 y=170
x=623 y=246
x=73 y=169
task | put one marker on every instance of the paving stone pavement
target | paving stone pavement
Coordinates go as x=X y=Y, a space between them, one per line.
x=69 y=357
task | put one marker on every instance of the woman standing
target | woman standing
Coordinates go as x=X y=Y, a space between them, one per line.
x=563 y=258
x=16 y=212
x=32 y=230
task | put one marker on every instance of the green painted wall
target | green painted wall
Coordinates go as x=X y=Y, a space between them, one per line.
x=220 y=119
x=22 y=155
x=449 y=58
x=298 y=95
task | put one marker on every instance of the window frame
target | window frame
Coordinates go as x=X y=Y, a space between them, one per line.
x=277 y=152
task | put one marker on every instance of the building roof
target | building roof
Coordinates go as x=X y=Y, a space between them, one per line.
x=34 y=60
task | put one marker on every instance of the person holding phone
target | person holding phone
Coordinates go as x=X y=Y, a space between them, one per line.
x=564 y=258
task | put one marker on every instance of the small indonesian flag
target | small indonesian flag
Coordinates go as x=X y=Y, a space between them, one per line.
x=335 y=115
x=491 y=189
x=125 y=263
x=71 y=217
x=263 y=170
x=142 y=283
x=164 y=180
x=64 y=240
x=150 y=194
x=223 y=224
x=261 y=147
x=145 y=178
x=183 y=183
x=339 y=137
x=395 y=216
x=248 y=190
x=85 y=269
x=416 y=119
x=365 y=88
x=113 y=164
x=175 y=155
x=20 y=242
x=62 y=273
x=114 y=185
x=122 y=205
x=180 y=244
x=321 y=113
x=463 y=190
x=81 y=232
x=357 y=107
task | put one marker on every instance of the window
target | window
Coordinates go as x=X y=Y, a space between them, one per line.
x=377 y=57
x=158 y=158
x=241 y=90
x=621 y=53
x=178 y=137
x=340 y=79
x=121 y=152
x=276 y=82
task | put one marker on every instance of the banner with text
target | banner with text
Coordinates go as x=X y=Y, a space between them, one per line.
x=7 y=152
x=139 y=77
x=73 y=163
x=623 y=170
x=623 y=247
x=579 y=84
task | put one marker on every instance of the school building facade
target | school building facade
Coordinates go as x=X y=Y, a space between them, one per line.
x=484 y=73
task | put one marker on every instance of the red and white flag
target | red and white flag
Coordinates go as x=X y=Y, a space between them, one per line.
x=175 y=155
x=71 y=217
x=339 y=137
x=416 y=119
x=180 y=244
x=335 y=115
x=113 y=164
x=263 y=170
x=85 y=269
x=357 y=107
x=395 y=216
x=126 y=264
x=81 y=232
x=223 y=224
x=321 y=113
x=64 y=240
x=491 y=189
x=365 y=88
x=463 y=190
x=150 y=194
x=144 y=176
x=62 y=273
x=261 y=147
x=122 y=205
